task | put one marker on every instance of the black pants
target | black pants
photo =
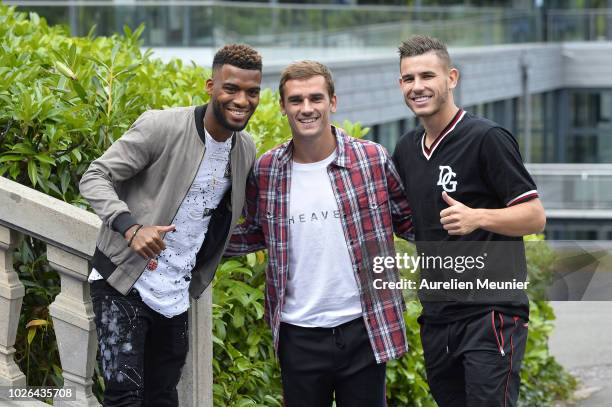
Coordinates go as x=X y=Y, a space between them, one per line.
x=318 y=362
x=142 y=352
x=475 y=362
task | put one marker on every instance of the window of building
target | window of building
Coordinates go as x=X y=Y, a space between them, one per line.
x=591 y=109
x=388 y=134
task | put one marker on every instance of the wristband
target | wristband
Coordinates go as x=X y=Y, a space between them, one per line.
x=134 y=235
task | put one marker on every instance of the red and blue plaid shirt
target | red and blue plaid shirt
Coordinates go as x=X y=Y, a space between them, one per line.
x=372 y=204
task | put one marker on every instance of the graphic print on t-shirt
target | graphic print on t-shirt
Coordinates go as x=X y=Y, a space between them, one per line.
x=321 y=287
x=316 y=216
x=446 y=178
x=165 y=289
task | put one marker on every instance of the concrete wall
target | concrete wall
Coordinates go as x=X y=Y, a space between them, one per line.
x=587 y=64
x=495 y=73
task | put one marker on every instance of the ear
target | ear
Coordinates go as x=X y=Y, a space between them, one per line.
x=453 y=78
x=209 y=86
x=282 y=106
x=333 y=102
x=399 y=81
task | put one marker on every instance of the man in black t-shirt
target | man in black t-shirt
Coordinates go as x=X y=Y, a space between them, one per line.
x=472 y=202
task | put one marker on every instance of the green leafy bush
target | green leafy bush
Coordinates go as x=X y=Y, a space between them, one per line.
x=63 y=101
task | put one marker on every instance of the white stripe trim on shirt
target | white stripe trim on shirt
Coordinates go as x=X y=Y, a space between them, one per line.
x=440 y=139
x=523 y=195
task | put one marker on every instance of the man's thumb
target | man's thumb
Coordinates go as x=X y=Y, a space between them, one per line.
x=164 y=229
x=450 y=201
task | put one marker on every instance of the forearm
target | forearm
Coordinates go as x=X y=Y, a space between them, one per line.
x=241 y=247
x=518 y=220
x=247 y=237
x=401 y=211
x=98 y=190
x=245 y=240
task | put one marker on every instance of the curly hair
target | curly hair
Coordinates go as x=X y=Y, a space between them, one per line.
x=421 y=44
x=238 y=55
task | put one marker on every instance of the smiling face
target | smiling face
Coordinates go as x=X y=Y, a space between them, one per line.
x=234 y=96
x=427 y=83
x=308 y=107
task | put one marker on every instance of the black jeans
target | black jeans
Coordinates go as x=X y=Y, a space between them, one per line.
x=475 y=362
x=142 y=352
x=318 y=363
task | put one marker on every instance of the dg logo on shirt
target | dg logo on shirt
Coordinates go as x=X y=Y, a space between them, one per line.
x=446 y=178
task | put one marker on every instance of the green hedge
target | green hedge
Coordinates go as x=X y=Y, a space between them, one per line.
x=63 y=101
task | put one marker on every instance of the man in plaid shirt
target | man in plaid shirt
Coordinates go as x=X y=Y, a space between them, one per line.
x=325 y=205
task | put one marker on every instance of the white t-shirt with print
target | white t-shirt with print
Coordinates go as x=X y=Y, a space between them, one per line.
x=321 y=287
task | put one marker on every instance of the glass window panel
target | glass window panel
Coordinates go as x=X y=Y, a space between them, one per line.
x=388 y=134
x=591 y=109
x=582 y=148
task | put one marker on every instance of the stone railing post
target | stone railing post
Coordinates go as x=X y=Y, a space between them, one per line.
x=73 y=320
x=70 y=234
x=11 y=296
x=195 y=387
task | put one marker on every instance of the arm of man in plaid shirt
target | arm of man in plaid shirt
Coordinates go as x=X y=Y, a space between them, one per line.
x=247 y=237
x=401 y=213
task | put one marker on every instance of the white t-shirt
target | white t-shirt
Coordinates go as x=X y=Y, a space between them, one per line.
x=321 y=287
x=165 y=289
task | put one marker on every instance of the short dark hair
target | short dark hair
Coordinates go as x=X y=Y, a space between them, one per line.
x=238 y=55
x=421 y=44
x=306 y=70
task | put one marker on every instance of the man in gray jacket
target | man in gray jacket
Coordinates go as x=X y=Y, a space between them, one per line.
x=168 y=193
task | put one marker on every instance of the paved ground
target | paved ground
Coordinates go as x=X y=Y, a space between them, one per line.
x=582 y=342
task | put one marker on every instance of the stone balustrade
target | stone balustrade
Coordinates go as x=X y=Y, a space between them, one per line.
x=70 y=234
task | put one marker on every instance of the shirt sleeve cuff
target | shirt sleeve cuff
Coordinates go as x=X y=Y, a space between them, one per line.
x=123 y=222
x=527 y=196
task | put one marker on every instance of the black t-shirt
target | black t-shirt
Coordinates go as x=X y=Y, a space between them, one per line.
x=479 y=164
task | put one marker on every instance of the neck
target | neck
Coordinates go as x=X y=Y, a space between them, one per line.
x=214 y=128
x=436 y=123
x=307 y=150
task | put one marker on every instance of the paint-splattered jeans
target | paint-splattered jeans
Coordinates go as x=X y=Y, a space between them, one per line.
x=142 y=352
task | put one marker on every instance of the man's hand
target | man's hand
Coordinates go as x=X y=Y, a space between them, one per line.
x=148 y=241
x=458 y=219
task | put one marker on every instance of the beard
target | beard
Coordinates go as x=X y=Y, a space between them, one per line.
x=439 y=101
x=218 y=112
